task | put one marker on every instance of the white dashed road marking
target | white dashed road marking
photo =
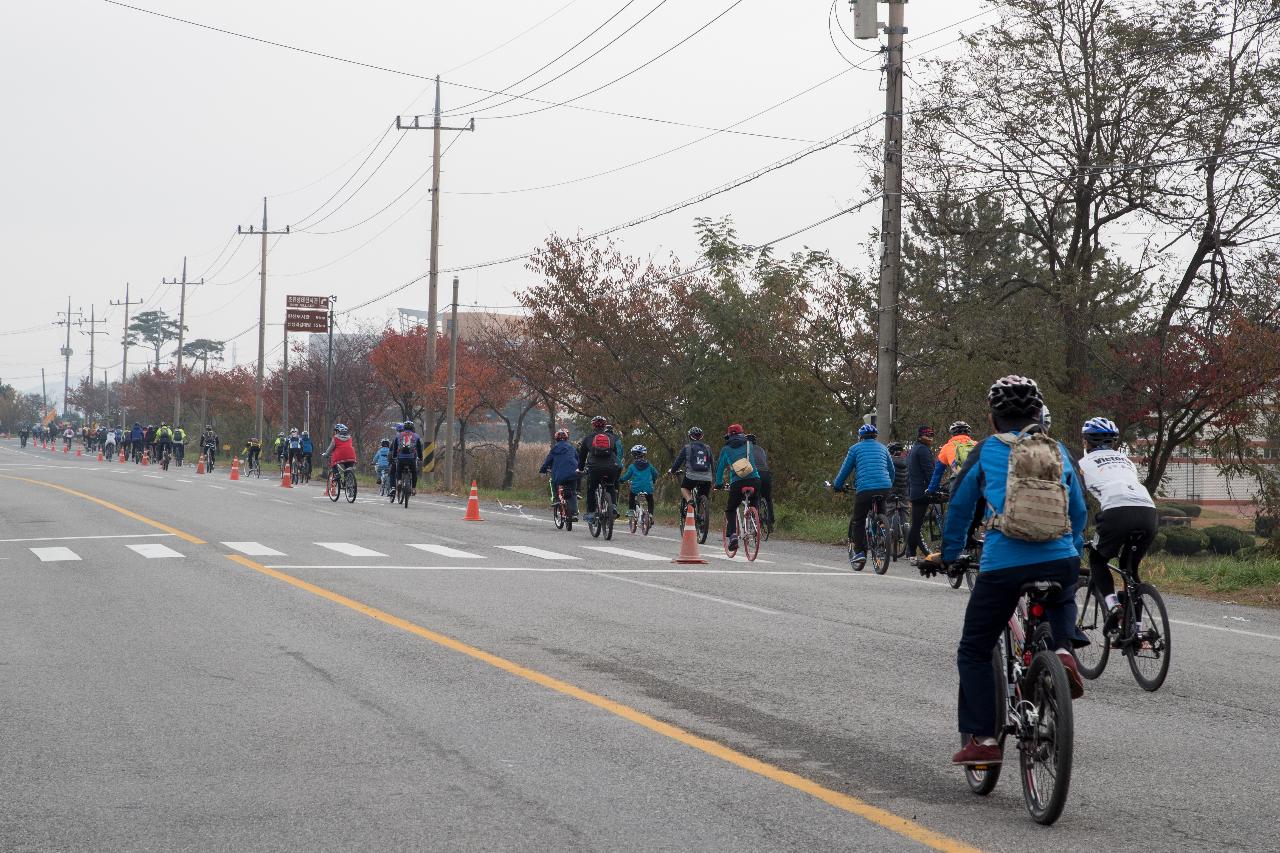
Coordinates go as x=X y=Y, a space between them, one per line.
x=350 y=550
x=537 y=552
x=445 y=551
x=254 y=549
x=55 y=555
x=623 y=552
x=154 y=550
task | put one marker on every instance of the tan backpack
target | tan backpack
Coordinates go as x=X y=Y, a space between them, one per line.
x=1035 y=498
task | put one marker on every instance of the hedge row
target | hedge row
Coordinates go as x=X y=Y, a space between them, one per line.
x=1188 y=541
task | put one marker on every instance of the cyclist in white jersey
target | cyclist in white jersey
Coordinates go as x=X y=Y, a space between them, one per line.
x=1126 y=507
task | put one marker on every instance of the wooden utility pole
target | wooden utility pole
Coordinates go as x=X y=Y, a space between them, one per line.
x=182 y=328
x=429 y=416
x=92 y=323
x=124 y=365
x=451 y=413
x=262 y=306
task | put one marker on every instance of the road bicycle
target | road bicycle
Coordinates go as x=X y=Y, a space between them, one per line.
x=384 y=480
x=1141 y=633
x=602 y=522
x=899 y=515
x=179 y=450
x=302 y=474
x=1033 y=701
x=342 y=480
x=748 y=518
x=253 y=466
x=208 y=458
x=165 y=458
x=135 y=451
x=701 y=515
x=877 y=537
x=560 y=508
x=641 y=519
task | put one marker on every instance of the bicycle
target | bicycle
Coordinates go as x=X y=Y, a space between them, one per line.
x=641 y=518
x=165 y=458
x=341 y=480
x=1142 y=640
x=208 y=459
x=1033 y=690
x=931 y=525
x=402 y=489
x=701 y=515
x=560 y=508
x=899 y=515
x=602 y=522
x=303 y=473
x=253 y=466
x=877 y=537
x=748 y=518
x=384 y=480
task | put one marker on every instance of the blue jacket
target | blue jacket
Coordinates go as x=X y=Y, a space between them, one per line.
x=919 y=470
x=735 y=448
x=641 y=475
x=307 y=446
x=873 y=464
x=562 y=462
x=382 y=459
x=135 y=434
x=982 y=479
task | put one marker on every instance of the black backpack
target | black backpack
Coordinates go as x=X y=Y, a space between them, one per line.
x=699 y=457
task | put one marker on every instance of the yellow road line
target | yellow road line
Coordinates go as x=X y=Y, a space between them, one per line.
x=881 y=817
x=186 y=537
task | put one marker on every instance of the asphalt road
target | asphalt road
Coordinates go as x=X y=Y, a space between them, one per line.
x=266 y=670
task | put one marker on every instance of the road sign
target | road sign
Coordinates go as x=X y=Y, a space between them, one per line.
x=306 y=321
x=309 y=303
x=428 y=457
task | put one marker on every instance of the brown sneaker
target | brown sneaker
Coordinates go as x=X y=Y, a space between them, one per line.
x=975 y=754
x=1073 y=673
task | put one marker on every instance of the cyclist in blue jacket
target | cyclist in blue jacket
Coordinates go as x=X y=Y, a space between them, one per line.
x=562 y=464
x=872 y=466
x=1007 y=563
x=641 y=475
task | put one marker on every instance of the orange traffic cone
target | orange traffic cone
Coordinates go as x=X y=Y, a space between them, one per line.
x=473 y=505
x=287 y=480
x=200 y=465
x=78 y=453
x=145 y=459
x=235 y=467
x=689 y=542
x=66 y=448
x=99 y=454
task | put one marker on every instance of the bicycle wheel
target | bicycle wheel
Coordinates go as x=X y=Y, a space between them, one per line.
x=1148 y=651
x=878 y=544
x=646 y=522
x=1046 y=738
x=1091 y=615
x=971 y=577
x=332 y=487
x=596 y=524
x=404 y=489
x=898 y=533
x=931 y=530
x=750 y=535
x=702 y=518
x=352 y=487
x=633 y=520
x=607 y=504
x=982 y=780
x=955 y=580
x=557 y=515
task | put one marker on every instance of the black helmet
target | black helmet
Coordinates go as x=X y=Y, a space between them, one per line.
x=1015 y=396
x=895 y=447
x=695 y=433
x=386 y=442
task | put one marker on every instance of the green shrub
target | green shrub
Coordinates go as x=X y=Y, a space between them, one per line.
x=1180 y=508
x=1227 y=540
x=1160 y=542
x=1266 y=526
x=1192 y=510
x=1167 y=511
x=1185 y=541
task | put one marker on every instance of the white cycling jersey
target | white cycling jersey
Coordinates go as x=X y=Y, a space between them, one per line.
x=1113 y=480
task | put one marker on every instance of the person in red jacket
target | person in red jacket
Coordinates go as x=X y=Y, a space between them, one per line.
x=341 y=452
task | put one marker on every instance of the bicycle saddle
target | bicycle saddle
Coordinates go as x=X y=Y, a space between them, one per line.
x=1040 y=589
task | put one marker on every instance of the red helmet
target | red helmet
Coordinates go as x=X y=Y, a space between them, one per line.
x=562 y=434
x=734 y=429
x=598 y=422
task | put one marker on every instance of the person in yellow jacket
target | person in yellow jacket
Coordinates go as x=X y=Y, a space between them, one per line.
x=952 y=455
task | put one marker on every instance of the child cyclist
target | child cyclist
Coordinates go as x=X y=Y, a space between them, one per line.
x=562 y=464
x=382 y=459
x=340 y=451
x=640 y=474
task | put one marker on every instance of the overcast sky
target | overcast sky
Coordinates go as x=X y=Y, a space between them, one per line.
x=131 y=140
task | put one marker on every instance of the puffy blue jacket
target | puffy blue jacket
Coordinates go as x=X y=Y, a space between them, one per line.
x=382 y=459
x=562 y=462
x=641 y=474
x=873 y=464
x=919 y=469
x=307 y=446
x=135 y=434
x=983 y=478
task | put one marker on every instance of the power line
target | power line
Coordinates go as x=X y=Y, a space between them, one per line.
x=302 y=221
x=518 y=35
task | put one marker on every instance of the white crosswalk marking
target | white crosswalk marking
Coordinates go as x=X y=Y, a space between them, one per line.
x=537 y=552
x=254 y=549
x=623 y=552
x=54 y=555
x=445 y=551
x=350 y=550
x=154 y=550
x=720 y=555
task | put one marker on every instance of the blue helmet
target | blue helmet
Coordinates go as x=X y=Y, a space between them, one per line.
x=1100 y=428
x=866 y=430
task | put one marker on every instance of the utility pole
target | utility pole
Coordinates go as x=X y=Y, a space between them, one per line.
x=891 y=222
x=429 y=416
x=328 y=370
x=450 y=411
x=182 y=327
x=124 y=365
x=262 y=304
x=66 y=352
x=106 y=387
x=93 y=331
x=44 y=397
